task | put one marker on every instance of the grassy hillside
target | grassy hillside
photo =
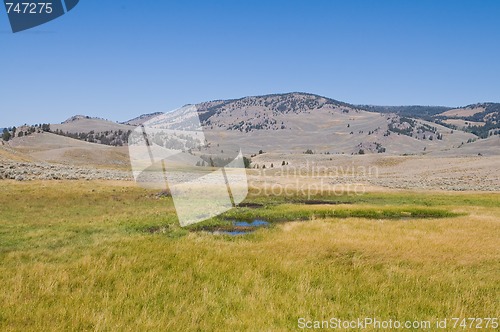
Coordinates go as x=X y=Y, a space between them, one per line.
x=54 y=148
x=86 y=124
x=80 y=256
x=7 y=153
x=419 y=112
x=297 y=122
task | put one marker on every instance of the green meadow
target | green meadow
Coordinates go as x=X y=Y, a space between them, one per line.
x=108 y=256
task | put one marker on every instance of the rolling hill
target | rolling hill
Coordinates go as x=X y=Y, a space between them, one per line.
x=52 y=148
x=85 y=124
x=483 y=120
x=297 y=122
x=285 y=123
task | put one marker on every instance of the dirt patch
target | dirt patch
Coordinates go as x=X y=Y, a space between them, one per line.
x=251 y=205
x=157 y=229
x=163 y=193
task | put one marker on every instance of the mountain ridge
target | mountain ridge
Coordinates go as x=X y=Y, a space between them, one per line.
x=299 y=122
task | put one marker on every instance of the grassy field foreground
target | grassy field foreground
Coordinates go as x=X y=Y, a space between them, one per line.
x=78 y=256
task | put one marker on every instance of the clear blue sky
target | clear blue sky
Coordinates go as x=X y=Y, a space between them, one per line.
x=121 y=58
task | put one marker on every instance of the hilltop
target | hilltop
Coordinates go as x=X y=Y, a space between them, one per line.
x=298 y=122
x=141 y=119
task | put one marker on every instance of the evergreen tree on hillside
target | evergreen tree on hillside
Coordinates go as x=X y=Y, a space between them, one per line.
x=6 y=135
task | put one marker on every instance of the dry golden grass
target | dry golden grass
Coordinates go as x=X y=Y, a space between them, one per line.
x=7 y=154
x=74 y=256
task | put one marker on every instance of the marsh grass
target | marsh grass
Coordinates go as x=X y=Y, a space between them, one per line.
x=395 y=198
x=293 y=212
x=76 y=256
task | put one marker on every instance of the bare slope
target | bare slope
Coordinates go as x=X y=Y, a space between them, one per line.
x=297 y=122
x=53 y=148
x=84 y=124
x=141 y=119
x=463 y=112
x=484 y=147
x=9 y=154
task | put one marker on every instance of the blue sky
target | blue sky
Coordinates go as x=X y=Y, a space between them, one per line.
x=120 y=58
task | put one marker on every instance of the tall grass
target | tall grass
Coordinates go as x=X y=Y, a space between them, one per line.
x=292 y=212
x=72 y=257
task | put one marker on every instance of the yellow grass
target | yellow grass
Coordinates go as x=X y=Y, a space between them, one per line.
x=74 y=256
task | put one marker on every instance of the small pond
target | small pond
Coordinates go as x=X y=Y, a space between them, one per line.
x=240 y=227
